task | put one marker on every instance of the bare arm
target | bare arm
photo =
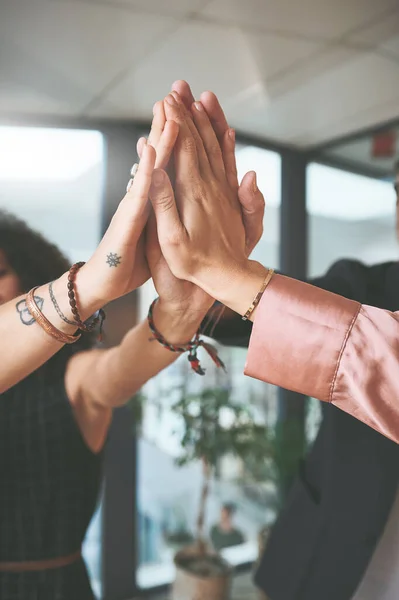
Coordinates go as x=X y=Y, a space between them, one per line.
x=99 y=380
x=113 y=376
x=24 y=345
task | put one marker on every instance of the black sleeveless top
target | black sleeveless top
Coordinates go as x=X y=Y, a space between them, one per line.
x=50 y=483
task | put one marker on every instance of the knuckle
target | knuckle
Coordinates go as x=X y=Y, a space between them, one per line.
x=164 y=202
x=198 y=191
x=214 y=149
x=189 y=146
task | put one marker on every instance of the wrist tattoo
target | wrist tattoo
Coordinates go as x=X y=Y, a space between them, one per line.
x=24 y=314
x=57 y=308
x=113 y=260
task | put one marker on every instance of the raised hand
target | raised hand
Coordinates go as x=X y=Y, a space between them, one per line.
x=250 y=197
x=119 y=265
x=175 y=295
x=200 y=227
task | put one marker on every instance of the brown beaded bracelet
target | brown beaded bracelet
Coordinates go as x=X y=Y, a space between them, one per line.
x=36 y=313
x=87 y=327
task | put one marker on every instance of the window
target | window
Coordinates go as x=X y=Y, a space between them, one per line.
x=350 y=216
x=53 y=178
x=168 y=495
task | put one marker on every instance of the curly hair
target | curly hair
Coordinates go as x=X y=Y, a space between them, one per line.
x=36 y=261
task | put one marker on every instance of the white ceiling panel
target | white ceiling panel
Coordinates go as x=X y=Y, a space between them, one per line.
x=66 y=53
x=240 y=77
x=273 y=55
x=180 y=8
x=315 y=18
x=210 y=57
x=363 y=119
x=383 y=34
x=300 y=72
x=305 y=71
x=341 y=98
x=262 y=120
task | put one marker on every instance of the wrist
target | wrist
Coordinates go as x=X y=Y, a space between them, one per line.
x=177 y=323
x=87 y=303
x=237 y=286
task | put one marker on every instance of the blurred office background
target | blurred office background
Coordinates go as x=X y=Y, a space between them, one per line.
x=312 y=88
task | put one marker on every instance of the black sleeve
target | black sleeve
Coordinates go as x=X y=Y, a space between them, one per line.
x=346 y=278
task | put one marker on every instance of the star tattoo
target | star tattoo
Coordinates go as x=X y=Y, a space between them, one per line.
x=113 y=260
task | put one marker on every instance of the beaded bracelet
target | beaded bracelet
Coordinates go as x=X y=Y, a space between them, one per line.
x=87 y=327
x=191 y=347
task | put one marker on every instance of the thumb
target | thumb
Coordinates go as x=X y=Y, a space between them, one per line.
x=253 y=208
x=170 y=228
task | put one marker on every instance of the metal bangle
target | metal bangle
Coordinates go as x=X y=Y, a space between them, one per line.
x=259 y=295
x=38 y=316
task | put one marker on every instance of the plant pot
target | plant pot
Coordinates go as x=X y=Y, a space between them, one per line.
x=201 y=576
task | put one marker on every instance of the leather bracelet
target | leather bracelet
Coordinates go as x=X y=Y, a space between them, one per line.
x=36 y=313
x=190 y=347
x=259 y=295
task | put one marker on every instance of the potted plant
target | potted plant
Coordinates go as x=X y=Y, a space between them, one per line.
x=213 y=425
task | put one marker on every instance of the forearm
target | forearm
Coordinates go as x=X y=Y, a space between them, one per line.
x=24 y=345
x=117 y=374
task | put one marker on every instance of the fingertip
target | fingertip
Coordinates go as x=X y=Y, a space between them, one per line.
x=207 y=96
x=156 y=107
x=176 y=96
x=178 y=84
x=255 y=188
x=149 y=153
x=140 y=145
x=249 y=180
x=197 y=106
x=183 y=88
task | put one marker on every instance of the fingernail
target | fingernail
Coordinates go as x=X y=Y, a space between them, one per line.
x=232 y=135
x=155 y=108
x=254 y=183
x=176 y=96
x=157 y=178
x=198 y=106
x=170 y=100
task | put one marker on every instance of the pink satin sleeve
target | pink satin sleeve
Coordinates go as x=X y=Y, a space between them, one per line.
x=325 y=346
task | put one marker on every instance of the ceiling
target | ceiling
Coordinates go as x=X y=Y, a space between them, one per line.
x=298 y=72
